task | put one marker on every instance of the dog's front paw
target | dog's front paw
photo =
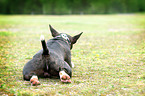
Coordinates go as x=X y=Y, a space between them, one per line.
x=34 y=81
x=64 y=77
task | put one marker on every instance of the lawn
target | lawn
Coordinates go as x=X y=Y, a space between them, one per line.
x=109 y=57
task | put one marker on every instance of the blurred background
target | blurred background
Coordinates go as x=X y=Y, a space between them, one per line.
x=61 y=7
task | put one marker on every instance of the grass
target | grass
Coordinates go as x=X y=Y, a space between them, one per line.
x=109 y=57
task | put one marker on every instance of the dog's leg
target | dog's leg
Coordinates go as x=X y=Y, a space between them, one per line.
x=32 y=76
x=34 y=80
x=71 y=64
x=68 y=60
x=65 y=72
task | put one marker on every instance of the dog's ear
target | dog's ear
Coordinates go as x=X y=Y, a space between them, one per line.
x=75 y=38
x=53 y=31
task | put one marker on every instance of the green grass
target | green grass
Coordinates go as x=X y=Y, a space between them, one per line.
x=109 y=57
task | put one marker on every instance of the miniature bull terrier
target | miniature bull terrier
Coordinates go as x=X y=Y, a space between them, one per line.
x=53 y=60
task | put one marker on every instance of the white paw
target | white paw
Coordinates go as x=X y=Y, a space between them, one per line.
x=34 y=80
x=61 y=73
x=64 y=77
x=34 y=77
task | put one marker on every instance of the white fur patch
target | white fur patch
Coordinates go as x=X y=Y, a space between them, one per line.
x=72 y=64
x=34 y=76
x=64 y=36
x=61 y=73
x=42 y=37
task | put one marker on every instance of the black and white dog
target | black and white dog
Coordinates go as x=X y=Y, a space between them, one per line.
x=54 y=60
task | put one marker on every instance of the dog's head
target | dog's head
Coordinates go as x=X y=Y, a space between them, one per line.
x=71 y=40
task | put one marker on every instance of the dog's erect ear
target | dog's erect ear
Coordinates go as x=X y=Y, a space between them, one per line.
x=53 y=31
x=75 y=38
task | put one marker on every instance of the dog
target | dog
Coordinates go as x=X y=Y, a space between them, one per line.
x=53 y=60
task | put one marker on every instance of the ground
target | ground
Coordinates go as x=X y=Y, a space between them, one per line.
x=109 y=57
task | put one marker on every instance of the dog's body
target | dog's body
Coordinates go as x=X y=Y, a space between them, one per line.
x=54 y=59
